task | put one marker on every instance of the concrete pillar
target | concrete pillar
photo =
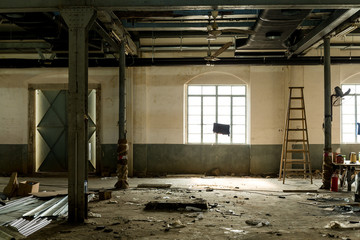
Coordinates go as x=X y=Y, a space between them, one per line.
x=327 y=159
x=79 y=20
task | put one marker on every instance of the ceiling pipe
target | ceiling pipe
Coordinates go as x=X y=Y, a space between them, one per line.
x=142 y=62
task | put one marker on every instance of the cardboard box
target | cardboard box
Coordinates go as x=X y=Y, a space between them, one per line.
x=28 y=187
x=104 y=194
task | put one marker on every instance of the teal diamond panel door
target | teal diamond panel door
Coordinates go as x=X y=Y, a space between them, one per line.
x=51 y=130
x=51 y=127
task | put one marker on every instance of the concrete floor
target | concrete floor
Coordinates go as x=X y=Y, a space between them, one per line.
x=290 y=215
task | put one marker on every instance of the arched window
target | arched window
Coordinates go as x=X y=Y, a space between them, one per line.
x=222 y=104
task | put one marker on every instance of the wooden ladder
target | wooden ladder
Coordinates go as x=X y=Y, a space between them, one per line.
x=295 y=133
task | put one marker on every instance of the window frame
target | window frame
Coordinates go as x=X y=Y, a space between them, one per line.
x=217 y=95
x=356 y=97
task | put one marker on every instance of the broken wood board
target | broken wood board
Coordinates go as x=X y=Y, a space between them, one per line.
x=50 y=194
x=300 y=191
x=153 y=185
x=177 y=205
x=12 y=186
x=184 y=175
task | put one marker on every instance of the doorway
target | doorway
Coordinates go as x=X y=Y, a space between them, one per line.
x=50 y=129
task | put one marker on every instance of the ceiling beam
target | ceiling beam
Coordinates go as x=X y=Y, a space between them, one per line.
x=184 y=26
x=323 y=29
x=96 y=26
x=177 y=48
x=25 y=45
x=187 y=14
x=114 y=25
x=55 y=5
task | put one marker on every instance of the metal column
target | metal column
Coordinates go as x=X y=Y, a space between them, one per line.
x=79 y=20
x=327 y=158
x=122 y=134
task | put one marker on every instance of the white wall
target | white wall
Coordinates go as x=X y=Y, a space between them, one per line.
x=14 y=100
x=158 y=99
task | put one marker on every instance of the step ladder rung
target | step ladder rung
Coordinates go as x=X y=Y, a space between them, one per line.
x=295 y=160
x=297 y=119
x=295 y=170
x=296 y=140
x=297 y=108
x=297 y=129
x=299 y=174
x=296 y=98
x=296 y=150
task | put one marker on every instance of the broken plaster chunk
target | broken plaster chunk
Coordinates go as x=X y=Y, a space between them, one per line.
x=200 y=216
x=192 y=209
x=112 y=202
x=230 y=230
x=339 y=225
x=176 y=224
x=95 y=215
x=257 y=223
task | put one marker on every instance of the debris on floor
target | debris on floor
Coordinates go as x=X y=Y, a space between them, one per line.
x=339 y=225
x=104 y=194
x=26 y=215
x=26 y=227
x=11 y=188
x=40 y=212
x=230 y=230
x=326 y=198
x=257 y=223
x=95 y=215
x=176 y=224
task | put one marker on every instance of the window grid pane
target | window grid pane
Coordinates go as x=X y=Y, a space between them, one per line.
x=350 y=114
x=207 y=105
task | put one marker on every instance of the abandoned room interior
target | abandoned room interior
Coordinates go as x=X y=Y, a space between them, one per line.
x=180 y=119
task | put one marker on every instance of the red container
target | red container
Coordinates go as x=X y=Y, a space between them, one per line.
x=334 y=183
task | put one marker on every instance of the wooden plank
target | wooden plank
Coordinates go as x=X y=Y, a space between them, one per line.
x=153 y=185
x=177 y=205
x=50 y=194
x=300 y=191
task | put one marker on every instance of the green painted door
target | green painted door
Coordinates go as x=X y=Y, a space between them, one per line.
x=51 y=130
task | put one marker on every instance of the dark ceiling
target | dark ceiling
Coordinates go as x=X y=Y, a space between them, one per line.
x=181 y=35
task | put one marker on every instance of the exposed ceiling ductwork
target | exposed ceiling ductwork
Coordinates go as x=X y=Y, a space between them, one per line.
x=273 y=31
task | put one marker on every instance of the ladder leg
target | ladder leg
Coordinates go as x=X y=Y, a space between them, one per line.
x=284 y=173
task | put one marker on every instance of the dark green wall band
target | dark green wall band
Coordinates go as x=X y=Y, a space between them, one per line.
x=162 y=159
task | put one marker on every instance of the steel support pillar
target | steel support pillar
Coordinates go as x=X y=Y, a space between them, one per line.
x=327 y=158
x=123 y=148
x=79 y=20
x=122 y=134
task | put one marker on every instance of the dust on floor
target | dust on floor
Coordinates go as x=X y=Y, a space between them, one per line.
x=239 y=208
